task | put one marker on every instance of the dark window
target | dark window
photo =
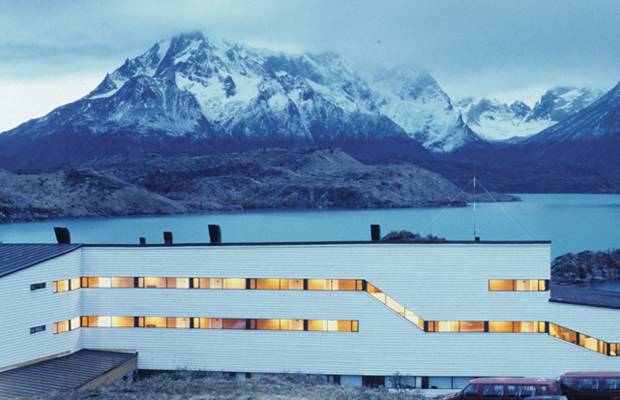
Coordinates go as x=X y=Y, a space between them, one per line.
x=587 y=384
x=611 y=383
x=373 y=381
x=521 y=390
x=335 y=379
x=544 y=390
x=37 y=286
x=36 y=329
x=492 y=390
x=470 y=391
x=567 y=383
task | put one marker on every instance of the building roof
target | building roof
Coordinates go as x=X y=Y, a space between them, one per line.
x=69 y=372
x=584 y=296
x=15 y=257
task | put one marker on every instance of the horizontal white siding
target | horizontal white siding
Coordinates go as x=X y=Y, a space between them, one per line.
x=22 y=309
x=442 y=282
x=435 y=281
x=438 y=282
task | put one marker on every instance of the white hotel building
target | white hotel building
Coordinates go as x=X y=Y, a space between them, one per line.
x=357 y=312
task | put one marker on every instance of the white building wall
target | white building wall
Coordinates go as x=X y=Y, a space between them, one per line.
x=22 y=309
x=437 y=282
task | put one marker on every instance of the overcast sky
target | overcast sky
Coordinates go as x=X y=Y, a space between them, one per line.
x=54 y=52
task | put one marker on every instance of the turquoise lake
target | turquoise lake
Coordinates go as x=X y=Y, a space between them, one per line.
x=573 y=223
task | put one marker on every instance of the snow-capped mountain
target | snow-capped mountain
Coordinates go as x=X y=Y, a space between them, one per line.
x=411 y=97
x=195 y=95
x=589 y=137
x=493 y=120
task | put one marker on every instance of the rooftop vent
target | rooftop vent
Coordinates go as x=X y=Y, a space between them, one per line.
x=142 y=241
x=375 y=233
x=168 y=237
x=215 y=234
x=62 y=235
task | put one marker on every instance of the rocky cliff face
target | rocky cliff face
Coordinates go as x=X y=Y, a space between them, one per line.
x=586 y=267
x=75 y=193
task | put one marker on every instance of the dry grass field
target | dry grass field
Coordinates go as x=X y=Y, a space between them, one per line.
x=203 y=386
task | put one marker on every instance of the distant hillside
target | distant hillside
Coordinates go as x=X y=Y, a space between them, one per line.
x=261 y=179
x=76 y=193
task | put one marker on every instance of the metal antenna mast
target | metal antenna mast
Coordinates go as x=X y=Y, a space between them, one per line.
x=475 y=237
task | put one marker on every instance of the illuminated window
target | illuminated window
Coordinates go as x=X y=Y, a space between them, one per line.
x=61 y=286
x=123 y=322
x=75 y=323
x=518 y=285
x=231 y=323
x=177 y=283
x=177 y=323
x=268 y=284
x=100 y=282
x=268 y=324
x=500 y=285
x=500 y=326
x=376 y=293
x=526 y=327
x=563 y=333
x=613 y=349
x=292 y=284
x=471 y=326
x=414 y=319
x=292 y=324
x=395 y=306
x=208 y=323
x=151 y=282
x=317 y=325
x=60 y=327
x=319 y=284
x=446 y=326
x=208 y=283
x=593 y=344
x=344 y=284
x=122 y=282
x=155 y=322
x=234 y=283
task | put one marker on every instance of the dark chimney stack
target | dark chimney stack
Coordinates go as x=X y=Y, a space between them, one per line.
x=62 y=235
x=375 y=233
x=142 y=241
x=215 y=234
x=168 y=237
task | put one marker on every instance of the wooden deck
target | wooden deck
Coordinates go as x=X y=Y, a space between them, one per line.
x=76 y=371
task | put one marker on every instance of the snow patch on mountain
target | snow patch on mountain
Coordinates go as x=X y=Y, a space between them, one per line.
x=413 y=99
x=493 y=120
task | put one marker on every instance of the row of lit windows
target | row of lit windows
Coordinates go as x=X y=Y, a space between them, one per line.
x=518 y=285
x=209 y=283
x=610 y=349
x=208 y=323
x=486 y=326
x=590 y=343
x=554 y=330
